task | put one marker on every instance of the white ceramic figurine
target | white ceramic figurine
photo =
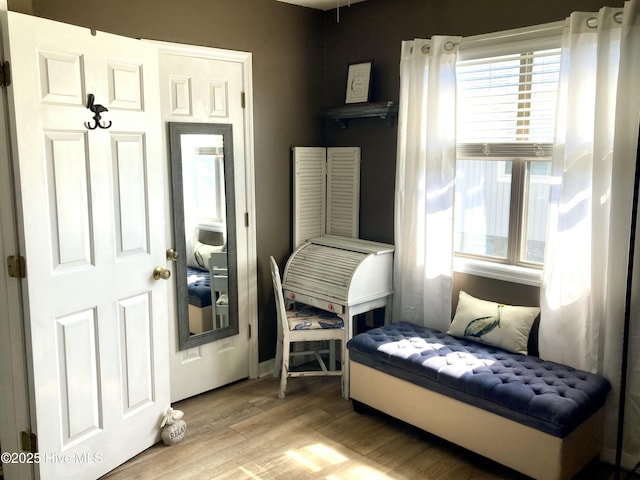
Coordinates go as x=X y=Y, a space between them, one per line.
x=173 y=427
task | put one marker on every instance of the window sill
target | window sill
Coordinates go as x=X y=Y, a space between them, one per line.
x=498 y=271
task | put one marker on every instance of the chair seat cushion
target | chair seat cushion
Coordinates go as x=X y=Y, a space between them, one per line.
x=309 y=318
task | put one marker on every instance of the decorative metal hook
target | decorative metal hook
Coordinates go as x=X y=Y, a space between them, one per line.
x=98 y=110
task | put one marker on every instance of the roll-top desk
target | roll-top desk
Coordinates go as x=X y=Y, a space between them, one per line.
x=346 y=276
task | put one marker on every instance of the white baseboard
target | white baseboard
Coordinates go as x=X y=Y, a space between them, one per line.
x=266 y=368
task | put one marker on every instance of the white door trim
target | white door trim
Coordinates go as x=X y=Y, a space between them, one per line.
x=14 y=391
x=14 y=418
x=245 y=58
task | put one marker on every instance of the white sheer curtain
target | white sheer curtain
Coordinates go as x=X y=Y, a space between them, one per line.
x=584 y=279
x=425 y=176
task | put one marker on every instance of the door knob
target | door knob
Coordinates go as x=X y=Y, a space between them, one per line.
x=160 y=273
x=173 y=254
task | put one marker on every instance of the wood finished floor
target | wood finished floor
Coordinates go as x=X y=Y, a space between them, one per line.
x=243 y=431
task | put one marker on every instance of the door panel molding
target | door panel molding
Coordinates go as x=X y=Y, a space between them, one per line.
x=68 y=193
x=129 y=164
x=55 y=70
x=80 y=403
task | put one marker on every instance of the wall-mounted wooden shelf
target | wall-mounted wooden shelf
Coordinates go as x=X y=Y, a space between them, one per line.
x=387 y=111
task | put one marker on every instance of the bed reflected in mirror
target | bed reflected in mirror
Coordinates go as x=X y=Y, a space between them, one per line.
x=204 y=233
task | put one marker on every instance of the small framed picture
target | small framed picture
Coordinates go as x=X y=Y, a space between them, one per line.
x=358 y=82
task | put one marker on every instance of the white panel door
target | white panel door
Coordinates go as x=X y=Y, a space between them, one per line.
x=205 y=85
x=91 y=209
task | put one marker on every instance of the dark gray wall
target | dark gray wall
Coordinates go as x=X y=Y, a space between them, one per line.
x=287 y=46
x=300 y=59
x=22 y=6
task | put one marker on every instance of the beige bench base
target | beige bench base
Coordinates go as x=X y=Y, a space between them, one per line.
x=200 y=319
x=522 y=448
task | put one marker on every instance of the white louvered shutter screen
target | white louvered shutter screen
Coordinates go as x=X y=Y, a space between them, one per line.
x=343 y=191
x=309 y=193
x=326 y=192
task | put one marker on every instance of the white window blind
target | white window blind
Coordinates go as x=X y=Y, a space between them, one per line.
x=506 y=104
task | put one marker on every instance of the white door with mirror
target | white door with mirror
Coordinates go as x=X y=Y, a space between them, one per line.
x=203 y=91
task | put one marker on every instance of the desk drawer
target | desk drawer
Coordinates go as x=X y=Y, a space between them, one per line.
x=313 y=301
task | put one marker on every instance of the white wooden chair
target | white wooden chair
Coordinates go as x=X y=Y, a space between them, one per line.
x=304 y=324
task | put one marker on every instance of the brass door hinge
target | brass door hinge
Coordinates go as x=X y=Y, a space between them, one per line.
x=249 y=330
x=29 y=442
x=5 y=74
x=243 y=101
x=246 y=219
x=16 y=266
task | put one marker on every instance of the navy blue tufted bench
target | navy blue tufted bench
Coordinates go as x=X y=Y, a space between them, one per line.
x=499 y=404
x=199 y=287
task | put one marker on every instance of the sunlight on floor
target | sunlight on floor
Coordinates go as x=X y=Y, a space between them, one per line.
x=315 y=455
x=248 y=473
x=318 y=456
x=360 y=473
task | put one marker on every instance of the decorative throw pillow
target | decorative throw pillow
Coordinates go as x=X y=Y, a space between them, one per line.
x=497 y=324
x=201 y=254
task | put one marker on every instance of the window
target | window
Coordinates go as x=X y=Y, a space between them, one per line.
x=505 y=133
x=203 y=177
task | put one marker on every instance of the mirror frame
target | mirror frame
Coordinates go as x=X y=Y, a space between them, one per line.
x=176 y=129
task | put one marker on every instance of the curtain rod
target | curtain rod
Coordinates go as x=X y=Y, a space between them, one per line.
x=592 y=22
x=546 y=29
x=549 y=29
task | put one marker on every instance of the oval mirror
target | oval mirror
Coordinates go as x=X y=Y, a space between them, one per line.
x=204 y=233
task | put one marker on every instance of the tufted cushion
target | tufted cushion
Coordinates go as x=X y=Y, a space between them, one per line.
x=544 y=395
x=199 y=287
